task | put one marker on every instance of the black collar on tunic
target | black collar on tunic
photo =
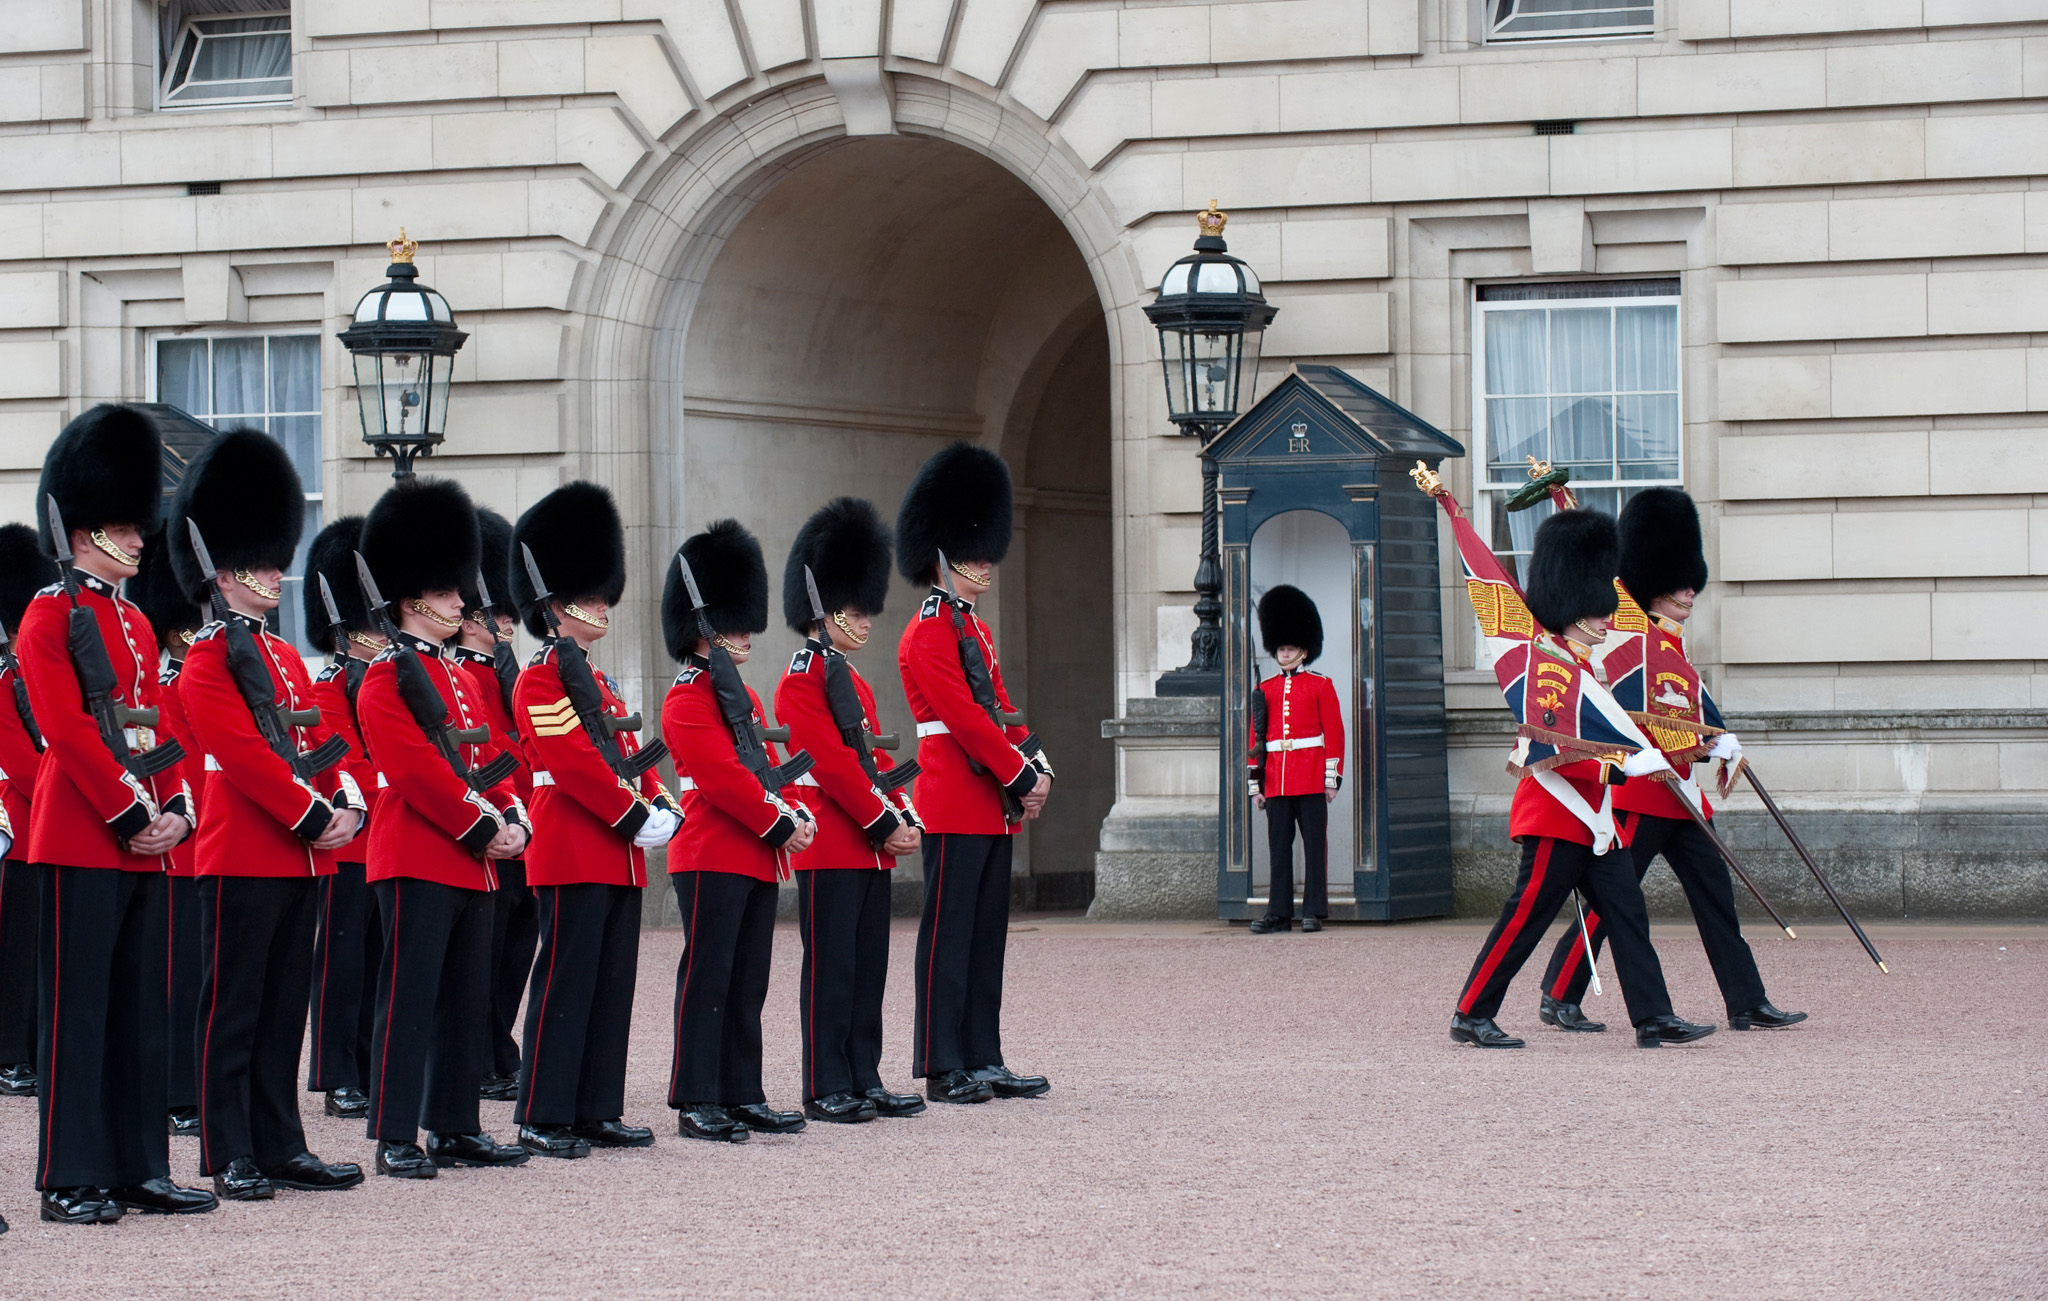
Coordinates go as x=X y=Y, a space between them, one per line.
x=93 y=582
x=423 y=645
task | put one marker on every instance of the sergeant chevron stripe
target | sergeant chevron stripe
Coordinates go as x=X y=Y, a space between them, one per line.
x=558 y=719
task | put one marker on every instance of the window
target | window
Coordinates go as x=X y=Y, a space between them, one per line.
x=268 y=382
x=1549 y=20
x=1582 y=375
x=216 y=53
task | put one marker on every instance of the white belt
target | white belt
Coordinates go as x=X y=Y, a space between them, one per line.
x=806 y=780
x=934 y=728
x=543 y=778
x=686 y=783
x=1298 y=743
x=212 y=764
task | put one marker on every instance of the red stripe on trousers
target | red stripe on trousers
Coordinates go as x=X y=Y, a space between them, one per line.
x=1512 y=929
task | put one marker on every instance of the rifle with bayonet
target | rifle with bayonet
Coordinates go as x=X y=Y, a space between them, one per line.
x=9 y=664
x=95 y=672
x=424 y=701
x=737 y=708
x=580 y=684
x=981 y=685
x=352 y=669
x=844 y=702
x=246 y=665
x=504 y=664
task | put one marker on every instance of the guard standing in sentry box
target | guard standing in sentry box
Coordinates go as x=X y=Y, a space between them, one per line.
x=833 y=585
x=984 y=774
x=598 y=807
x=24 y=570
x=1297 y=758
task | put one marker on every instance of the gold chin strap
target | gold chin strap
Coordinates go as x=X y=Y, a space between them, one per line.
x=582 y=615
x=1594 y=633
x=184 y=635
x=858 y=639
x=718 y=640
x=368 y=642
x=106 y=544
x=987 y=577
x=425 y=611
x=248 y=580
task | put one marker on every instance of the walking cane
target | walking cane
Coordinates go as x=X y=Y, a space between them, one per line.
x=1813 y=867
x=1671 y=779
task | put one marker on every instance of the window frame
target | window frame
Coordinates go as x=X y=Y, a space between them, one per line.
x=167 y=65
x=1490 y=36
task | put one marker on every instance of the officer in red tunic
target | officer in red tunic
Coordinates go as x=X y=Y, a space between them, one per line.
x=1643 y=662
x=483 y=648
x=737 y=838
x=278 y=804
x=347 y=939
x=1297 y=758
x=597 y=810
x=102 y=835
x=842 y=881
x=982 y=776
x=24 y=570
x=445 y=820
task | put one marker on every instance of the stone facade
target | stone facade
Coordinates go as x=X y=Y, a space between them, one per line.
x=736 y=258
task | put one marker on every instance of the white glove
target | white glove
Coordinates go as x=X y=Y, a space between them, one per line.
x=660 y=826
x=6 y=843
x=1725 y=748
x=1644 y=762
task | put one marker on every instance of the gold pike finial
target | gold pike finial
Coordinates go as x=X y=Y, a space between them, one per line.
x=1537 y=469
x=1428 y=481
x=402 y=249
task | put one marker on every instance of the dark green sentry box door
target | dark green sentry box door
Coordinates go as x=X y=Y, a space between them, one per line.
x=1325 y=443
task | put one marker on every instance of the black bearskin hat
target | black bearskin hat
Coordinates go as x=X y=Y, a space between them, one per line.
x=244 y=493
x=1288 y=618
x=847 y=547
x=959 y=503
x=24 y=571
x=580 y=546
x=333 y=554
x=1571 y=569
x=421 y=536
x=1661 y=549
x=106 y=467
x=168 y=604
x=494 y=538
x=733 y=578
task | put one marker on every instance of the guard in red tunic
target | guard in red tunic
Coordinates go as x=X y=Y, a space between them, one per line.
x=483 y=647
x=447 y=816
x=24 y=570
x=983 y=775
x=861 y=803
x=347 y=939
x=737 y=838
x=1297 y=760
x=279 y=802
x=106 y=814
x=1643 y=662
x=598 y=807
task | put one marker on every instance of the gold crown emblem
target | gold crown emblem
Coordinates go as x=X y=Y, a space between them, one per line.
x=402 y=249
x=1213 y=221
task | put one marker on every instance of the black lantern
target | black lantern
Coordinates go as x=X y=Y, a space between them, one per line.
x=404 y=343
x=1211 y=316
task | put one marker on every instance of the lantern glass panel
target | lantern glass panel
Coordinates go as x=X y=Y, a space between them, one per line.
x=1202 y=371
x=396 y=386
x=442 y=370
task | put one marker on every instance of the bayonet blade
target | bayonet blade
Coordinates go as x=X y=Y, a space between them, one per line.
x=60 y=536
x=327 y=599
x=690 y=583
x=371 y=596
x=541 y=594
x=817 y=606
x=483 y=596
x=946 y=578
x=199 y=550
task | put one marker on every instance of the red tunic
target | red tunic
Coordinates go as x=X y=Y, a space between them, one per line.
x=330 y=696
x=429 y=826
x=1536 y=812
x=1663 y=668
x=1301 y=705
x=836 y=790
x=19 y=759
x=259 y=818
x=953 y=730
x=86 y=803
x=584 y=815
x=729 y=823
x=484 y=673
x=184 y=854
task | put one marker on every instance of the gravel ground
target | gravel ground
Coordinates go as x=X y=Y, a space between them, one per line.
x=1234 y=1114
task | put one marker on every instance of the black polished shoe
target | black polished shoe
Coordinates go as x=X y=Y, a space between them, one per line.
x=18 y=1079
x=840 y=1109
x=1007 y=1085
x=241 y=1181
x=1568 y=1016
x=185 y=1120
x=80 y=1206
x=1482 y=1031
x=499 y=1088
x=472 y=1149
x=764 y=1119
x=1765 y=1017
x=1272 y=925
x=348 y=1102
x=894 y=1104
x=709 y=1121
x=553 y=1140
x=1660 y=1030
x=1310 y=925
x=612 y=1133
x=3 y=1224
x=159 y=1196
x=404 y=1161
x=308 y=1173
x=957 y=1086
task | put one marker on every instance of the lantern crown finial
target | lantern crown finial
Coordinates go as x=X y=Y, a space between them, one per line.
x=403 y=249
x=1213 y=221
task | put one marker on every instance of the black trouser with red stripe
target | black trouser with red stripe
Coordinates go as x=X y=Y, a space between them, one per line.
x=182 y=996
x=347 y=943
x=256 y=938
x=579 y=1010
x=427 y=1050
x=102 y=1058
x=515 y=931
x=960 y=941
x=1703 y=875
x=721 y=985
x=21 y=895
x=843 y=914
x=1551 y=869
x=1312 y=814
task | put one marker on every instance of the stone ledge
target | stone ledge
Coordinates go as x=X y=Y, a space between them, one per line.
x=1148 y=718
